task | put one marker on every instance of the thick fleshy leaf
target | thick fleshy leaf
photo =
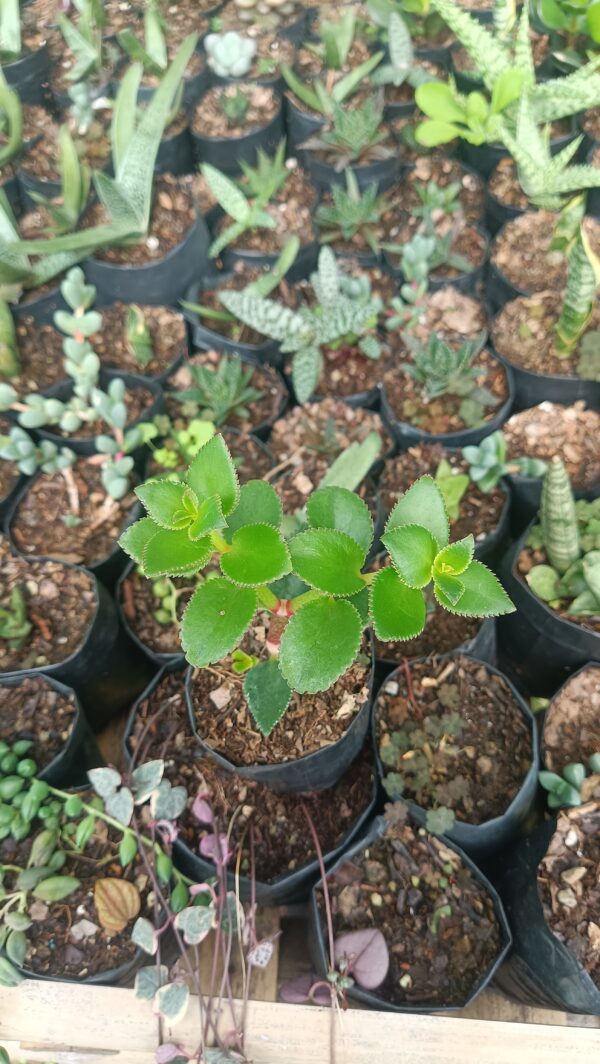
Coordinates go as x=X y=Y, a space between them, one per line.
x=258 y=555
x=343 y=510
x=328 y=560
x=136 y=537
x=55 y=888
x=412 y=549
x=167 y=802
x=144 y=935
x=454 y=558
x=171 y=552
x=397 y=611
x=215 y=620
x=163 y=499
x=171 y=1001
x=450 y=586
x=544 y=582
x=367 y=953
x=196 y=922
x=146 y=778
x=422 y=505
x=259 y=502
x=148 y=980
x=104 y=781
x=212 y=472
x=267 y=693
x=319 y=643
x=483 y=596
x=120 y=806
x=117 y=903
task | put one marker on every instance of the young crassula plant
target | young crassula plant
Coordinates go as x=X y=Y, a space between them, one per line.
x=573 y=26
x=29 y=456
x=403 y=67
x=579 y=304
x=439 y=370
x=355 y=135
x=335 y=40
x=353 y=212
x=89 y=402
x=568 y=533
x=229 y=55
x=206 y=516
x=336 y=320
x=246 y=213
x=218 y=393
x=488 y=464
x=508 y=72
x=566 y=789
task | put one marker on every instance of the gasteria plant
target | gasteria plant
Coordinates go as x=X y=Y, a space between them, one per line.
x=66 y=209
x=336 y=319
x=317 y=97
x=403 y=65
x=207 y=513
x=568 y=532
x=11 y=123
x=152 y=54
x=419 y=15
x=246 y=213
x=86 y=40
x=579 y=304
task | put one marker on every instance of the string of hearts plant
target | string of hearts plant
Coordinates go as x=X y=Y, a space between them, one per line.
x=205 y=513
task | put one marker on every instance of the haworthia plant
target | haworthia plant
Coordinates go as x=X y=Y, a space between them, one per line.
x=206 y=515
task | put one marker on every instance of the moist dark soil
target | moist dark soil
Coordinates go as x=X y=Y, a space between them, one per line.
x=443 y=632
x=292 y=210
x=530 y=557
x=140 y=604
x=9 y=474
x=504 y=184
x=251 y=460
x=453 y=316
x=208 y=119
x=591 y=123
x=444 y=172
x=571 y=432
x=524 y=334
x=63 y=60
x=137 y=400
x=572 y=722
x=282 y=841
x=309 y=65
x=310 y=723
x=52 y=947
x=398 y=885
x=468 y=242
x=569 y=885
x=32 y=34
x=60 y=603
x=442 y=414
x=39 y=126
x=462 y=741
x=33 y=710
x=346 y=371
x=264 y=379
x=479 y=512
x=405 y=93
x=167 y=332
x=38 y=528
x=521 y=251
x=41 y=353
x=173 y=215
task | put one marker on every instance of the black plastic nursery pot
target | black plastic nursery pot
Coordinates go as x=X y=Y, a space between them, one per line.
x=70 y=766
x=175 y=153
x=530 y=388
x=544 y=734
x=155 y=657
x=30 y=75
x=313 y=772
x=12 y=190
x=481 y=841
x=318 y=941
x=85 y=445
x=544 y=646
x=158 y=283
x=499 y=290
x=105 y=88
x=438 y=54
x=225 y=153
x=287 y=888
x=408 y=435
x=593 y=195
x=497 y=213
x=204 y=338
x=482 y=646
x=382 y=172
x=541 y=970
x=303 y=265
x=42 y=307
x=300 y=125
x=120 y=976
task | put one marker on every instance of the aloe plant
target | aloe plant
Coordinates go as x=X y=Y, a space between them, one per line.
x=353 y=212
x=354 y=135
x=317 y=98
x=207 y=516
x=246 y=214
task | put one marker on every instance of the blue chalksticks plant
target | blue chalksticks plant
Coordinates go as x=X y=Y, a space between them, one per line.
x=205 y=515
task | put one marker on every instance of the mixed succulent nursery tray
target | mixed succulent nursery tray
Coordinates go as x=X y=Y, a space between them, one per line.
x=300 y=551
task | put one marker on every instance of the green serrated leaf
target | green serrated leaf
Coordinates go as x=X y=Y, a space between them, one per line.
x=422 y=505
x=135 y=539
x=259 y=502
x=267 y=694
x=343 y=510
x=397 y=611
x=412 y=549
x=209 y=518
x=483 y=596
x=319 y=643
x=258 y=555
x=454 y=559
x=163 y=499
x=328 y=560
x=212 y=472
x=450 y=586
x=170 y=552
x=215 y=620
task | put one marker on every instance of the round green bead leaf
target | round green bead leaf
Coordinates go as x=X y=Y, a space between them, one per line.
x=319 y=643
x=258 y=555
x=397 y=611
x=267 y=693
x=412 y=550
x=341 y=509
x=328 y=560
x=215 y=620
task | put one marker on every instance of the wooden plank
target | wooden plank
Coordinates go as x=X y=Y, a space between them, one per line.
x=82 y=1025
x=263 y=985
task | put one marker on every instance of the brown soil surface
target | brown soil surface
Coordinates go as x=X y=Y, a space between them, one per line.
x=311 y=722
x=443 y=632
x=264 y=379
x=33 y=710
x=250 y=458
x=444 y=172
x=139 y=605
x=522 y=251
x=398 y=885
x=38 y=527
x=60 y=603
x=572 y=723
x=64 y=60
x=571 y=432
x=41 y=353
x=173 y=214
x=504 y=184
x=524 y=334
x=346 y=371
x=448 y=754
x=208 y=119
x=282 y=841
x=569 y=885
x=310 y=65
x=453 y=316
x=167 y=331
x=591 y=123
x=292 y=210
